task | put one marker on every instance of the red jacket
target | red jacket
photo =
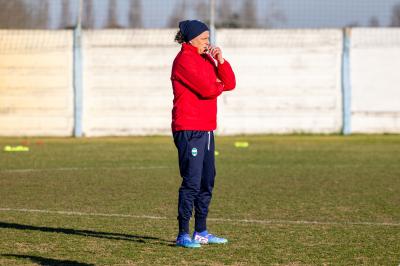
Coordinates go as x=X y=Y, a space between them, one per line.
x=195 y=85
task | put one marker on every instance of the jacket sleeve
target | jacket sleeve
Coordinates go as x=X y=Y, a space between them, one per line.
x=197 y=79
x=226 y=75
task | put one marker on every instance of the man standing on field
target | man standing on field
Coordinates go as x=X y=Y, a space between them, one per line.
x=199 y=75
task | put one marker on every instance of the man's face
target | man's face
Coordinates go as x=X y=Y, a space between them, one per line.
x=201 y=42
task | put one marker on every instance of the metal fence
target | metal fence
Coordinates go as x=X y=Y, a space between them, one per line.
x=99 y=14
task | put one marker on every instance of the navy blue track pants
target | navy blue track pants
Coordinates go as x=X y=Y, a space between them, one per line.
x=197 y=169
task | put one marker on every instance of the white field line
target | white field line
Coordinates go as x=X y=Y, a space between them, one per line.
x=301 y=222
x=28 y=170
x=282 y=222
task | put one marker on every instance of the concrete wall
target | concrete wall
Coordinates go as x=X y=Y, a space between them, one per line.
x=127 y=87
x=287 y=81
x=375 y=80
x=36 y=93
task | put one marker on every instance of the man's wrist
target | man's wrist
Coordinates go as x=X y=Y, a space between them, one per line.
x=221 y=61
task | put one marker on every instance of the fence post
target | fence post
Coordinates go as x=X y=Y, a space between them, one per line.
x=212 y=23
x=77 y=75
x=346 y=82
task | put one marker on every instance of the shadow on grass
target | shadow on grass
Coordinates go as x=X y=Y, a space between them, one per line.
x=47 y=261
x=106 y=235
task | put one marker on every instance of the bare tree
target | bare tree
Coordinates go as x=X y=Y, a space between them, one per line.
x=135 y=14
x=353 y=24
x=113 y=14
x=395 y=16
x=248 y=15
x=202 y=11
x=178 y=14
x=40 y=18
x=227 y=18
x=373 y=22
x=225 y=10
x=65 y=15
x=274 y=15
x=14 y=14
x=88 y=14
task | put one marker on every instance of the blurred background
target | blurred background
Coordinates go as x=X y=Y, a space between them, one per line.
x=100 y=14
x=102 y=67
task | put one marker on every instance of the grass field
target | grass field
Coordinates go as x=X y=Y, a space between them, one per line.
x=284 y=200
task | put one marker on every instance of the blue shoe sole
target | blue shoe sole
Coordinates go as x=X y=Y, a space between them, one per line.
x=218 y=243
x=188 y=246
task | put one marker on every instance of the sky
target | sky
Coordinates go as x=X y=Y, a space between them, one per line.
x=296 y=13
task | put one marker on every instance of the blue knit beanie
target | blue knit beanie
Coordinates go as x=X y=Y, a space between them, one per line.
x=190 y=29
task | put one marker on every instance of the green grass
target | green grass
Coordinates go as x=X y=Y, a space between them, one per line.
x=284 y=200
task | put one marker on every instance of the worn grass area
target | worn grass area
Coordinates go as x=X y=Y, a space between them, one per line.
x=284 y=200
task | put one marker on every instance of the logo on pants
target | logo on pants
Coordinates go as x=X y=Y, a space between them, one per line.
x=194 y=152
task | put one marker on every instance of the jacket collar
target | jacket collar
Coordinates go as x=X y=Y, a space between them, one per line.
x=188 y=47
